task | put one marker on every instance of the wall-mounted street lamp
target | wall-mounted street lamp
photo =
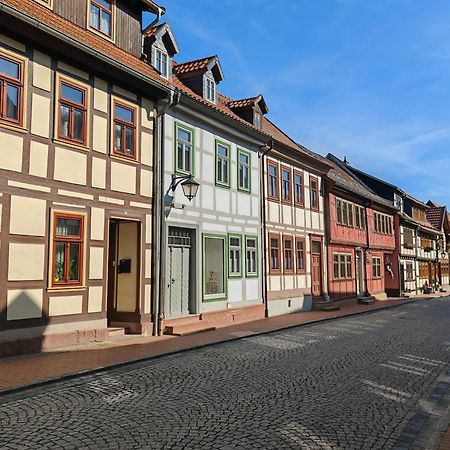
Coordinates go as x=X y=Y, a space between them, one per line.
x=188 y=184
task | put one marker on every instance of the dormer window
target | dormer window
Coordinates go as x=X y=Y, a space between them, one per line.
x=161 y=64
x=210 y=90
x=257 y=119
x=101 y=16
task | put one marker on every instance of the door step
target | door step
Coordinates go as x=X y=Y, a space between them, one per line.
x=325 y=306
x=188 y=328
x=366 y=300
x=116 y=331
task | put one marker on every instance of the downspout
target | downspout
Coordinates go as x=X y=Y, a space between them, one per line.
x=263 y=263
x=159 y=218
x=366 y=281
x=159 y=14
x=327 y=218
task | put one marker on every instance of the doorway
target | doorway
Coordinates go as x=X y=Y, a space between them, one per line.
x=359 y=274
x=316 y=268
x=180 y=293
x=123 y=271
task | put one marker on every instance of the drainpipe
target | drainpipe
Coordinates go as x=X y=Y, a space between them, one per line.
x=327 y=237
x=366 y=281
x=159 y=14
x=159 y=217
x=263 y=264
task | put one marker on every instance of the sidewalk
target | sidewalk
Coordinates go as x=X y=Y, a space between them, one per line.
x=22 y=371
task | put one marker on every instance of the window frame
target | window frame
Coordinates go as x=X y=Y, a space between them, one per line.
x=311 y=190
x=155 y=56
x=277 y=180
x=113 y=20
x=297 y=241
x=341 y=260
x=220 y=296
x=47 y=3
x=208 y=83
x=234 y=275
x=256 y=273
x=241 y=151
x=81 y=240
x=218 y=157
x=345 y=210
x=408 y=244
x=130 y=106
x=376 y=268
x=300 y=203
x=360 y=216
x=272 y=270
x=257 y=119
x=411 y=272
x=286 y=169
x=75 y=84
x=382 y=223
x=21 y=84
x=191 y=130
x=288 y=238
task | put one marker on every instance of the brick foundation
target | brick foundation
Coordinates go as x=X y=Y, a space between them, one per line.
x=234 y=316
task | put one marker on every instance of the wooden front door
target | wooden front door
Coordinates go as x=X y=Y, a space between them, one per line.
x=316 y=268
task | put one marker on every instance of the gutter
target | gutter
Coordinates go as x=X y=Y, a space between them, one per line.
x=85 y=48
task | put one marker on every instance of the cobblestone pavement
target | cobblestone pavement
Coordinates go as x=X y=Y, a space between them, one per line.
x=351 y=383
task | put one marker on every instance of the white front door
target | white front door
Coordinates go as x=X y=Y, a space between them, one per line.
x=359 y=274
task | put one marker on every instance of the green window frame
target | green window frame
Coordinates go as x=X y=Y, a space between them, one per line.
x=223 y=156
x=242 y=167
x=183 y=164
x=235 y=256
x=211 y=280
x=250 y=250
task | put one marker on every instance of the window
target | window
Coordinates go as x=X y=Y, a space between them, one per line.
x=184 y=149
x=68 y=239
x=342 y=266
x=274 y=249
x=214 y=267
x=376 y=267
x=408 y=238
x=314 y=189
x=101 y=16
x=47 y=3
x=124 y=130
x=161 y=62
x=426 y=243
x=300 y=249
x=285 y=185
x=344 y=212
x=419 y=214
x=360 y=217
x=251 y=250
x=234 y=249
x=298 y=188
x=382 y=223
x=210 y=90
x=257 y=119
x=424 y=270
x=288 y=254
x=273 y=180
x=398 y=202
x=244 y=170
x=222 y=164
x=12 y=74
x=409 y=273
x=72 y=112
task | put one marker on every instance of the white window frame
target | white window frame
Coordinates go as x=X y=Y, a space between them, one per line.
x=210 y=89
x=159 y=62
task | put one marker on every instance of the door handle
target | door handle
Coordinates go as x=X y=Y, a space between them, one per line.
x=171 y=282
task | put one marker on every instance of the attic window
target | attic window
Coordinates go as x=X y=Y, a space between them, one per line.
x=257 y=119
x=161 y=65
x=210 y=90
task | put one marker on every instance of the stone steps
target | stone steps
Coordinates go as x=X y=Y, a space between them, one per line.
x=188 y=328
x=116 y=331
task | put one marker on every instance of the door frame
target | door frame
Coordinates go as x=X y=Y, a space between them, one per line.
x=111 y=314
x=319 y=239
x=359 y=273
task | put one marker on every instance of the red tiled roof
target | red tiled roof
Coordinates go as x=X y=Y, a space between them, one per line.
x=192 y=66
x=82 y=36
x=243 y=103
x=435 y=216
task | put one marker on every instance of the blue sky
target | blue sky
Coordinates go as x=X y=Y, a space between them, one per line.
x=365 y=80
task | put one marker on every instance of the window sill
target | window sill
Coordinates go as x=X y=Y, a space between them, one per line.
x=223 y=185
x=217 y=298
x=12 y=127
x=252 y=275
x=100 y=34
x=67 y=289
x=123 y=159
x=235 y=276
x=73 y=145
x=244 y=191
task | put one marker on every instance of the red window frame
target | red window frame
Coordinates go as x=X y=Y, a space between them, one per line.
x=72 y=106
x=272 y=269
x=67 y=240
x=285 y=169
x=315 y=181
x=287 y=269
x=124 y=124
x=105 y=10
x=277 y=181
x=18 y=83
x=303 y=252
x=297 y=202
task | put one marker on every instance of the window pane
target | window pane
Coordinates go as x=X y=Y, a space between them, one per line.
x=118 y=137
x=106 y=23
x=59 y=261
x=12 y=102
x=180 y=149
x=72 y=94
x=68 y=227
x=128 y=141
x=235 y=242
x=65 y=117
x=222 y=151
x=9 y=68
x=74 y=262
x=187 y=158
x=95 y=17
x=124 y=114
x=184 y=135
x=104 y=3
x=251 y=243
x=78 y=124
x=243 y=158
x=214 y=266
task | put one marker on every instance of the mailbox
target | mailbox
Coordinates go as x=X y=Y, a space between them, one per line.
x=125 y=266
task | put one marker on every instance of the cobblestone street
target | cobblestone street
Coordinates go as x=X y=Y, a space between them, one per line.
x=352 y=383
